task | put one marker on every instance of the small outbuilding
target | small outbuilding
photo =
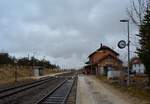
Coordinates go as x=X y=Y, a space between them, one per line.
x=38 y=71
x=137 y=66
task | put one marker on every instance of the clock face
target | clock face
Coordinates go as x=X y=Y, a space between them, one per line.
x=122 y=44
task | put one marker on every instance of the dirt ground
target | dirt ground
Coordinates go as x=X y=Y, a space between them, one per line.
x=93 y=91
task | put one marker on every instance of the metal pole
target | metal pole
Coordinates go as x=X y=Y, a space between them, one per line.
x=128 y=82
x=128 y=44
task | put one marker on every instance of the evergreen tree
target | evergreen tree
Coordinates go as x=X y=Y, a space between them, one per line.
x=144 y=51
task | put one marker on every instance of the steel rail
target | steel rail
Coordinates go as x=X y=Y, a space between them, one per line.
x=22 y=88
x=22 y=85
x=64 y=98
x=51 y=92
x=68 y=93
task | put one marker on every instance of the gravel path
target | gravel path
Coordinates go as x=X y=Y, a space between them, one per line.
x=92 y=91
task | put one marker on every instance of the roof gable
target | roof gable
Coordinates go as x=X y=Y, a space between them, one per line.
x=107 y=48
x=108 y=55
x=104 y=48
x=136 y=60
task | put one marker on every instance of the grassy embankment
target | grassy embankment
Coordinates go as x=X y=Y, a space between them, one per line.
x=7 y=73
x=132 y=90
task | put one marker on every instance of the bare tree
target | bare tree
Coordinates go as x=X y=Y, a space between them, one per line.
x=137 y=10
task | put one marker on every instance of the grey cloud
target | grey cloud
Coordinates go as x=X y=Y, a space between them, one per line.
x=65 y=31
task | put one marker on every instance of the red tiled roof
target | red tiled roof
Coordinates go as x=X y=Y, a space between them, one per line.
x=104 y=48
x=104 y=56
x=136 y=60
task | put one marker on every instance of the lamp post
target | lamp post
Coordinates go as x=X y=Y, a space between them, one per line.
x=128 y=44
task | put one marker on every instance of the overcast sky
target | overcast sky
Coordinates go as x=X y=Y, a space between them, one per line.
x=63 y=31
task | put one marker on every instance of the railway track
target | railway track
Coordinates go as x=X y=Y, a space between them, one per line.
x=72 y=73
x=48 y=90
x=18 y=89
x=59 y=94
x=72 y=96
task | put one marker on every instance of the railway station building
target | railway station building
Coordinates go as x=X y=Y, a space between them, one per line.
x=104 y=61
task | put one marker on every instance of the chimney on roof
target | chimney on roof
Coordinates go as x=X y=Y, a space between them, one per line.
x=101 y=45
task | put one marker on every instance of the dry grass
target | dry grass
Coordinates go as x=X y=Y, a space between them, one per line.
x=7 y=73
x=132 y=90
x=50 y=71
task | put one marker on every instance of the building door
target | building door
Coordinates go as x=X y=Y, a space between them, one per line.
x=105 y=70
x=93 y=70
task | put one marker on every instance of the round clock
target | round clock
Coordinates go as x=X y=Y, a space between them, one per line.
x=122 y=44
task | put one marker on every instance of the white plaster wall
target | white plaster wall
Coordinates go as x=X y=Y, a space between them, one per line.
x=137 y=68
x=36 y=72
x=113 y=73
x=101 y=70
